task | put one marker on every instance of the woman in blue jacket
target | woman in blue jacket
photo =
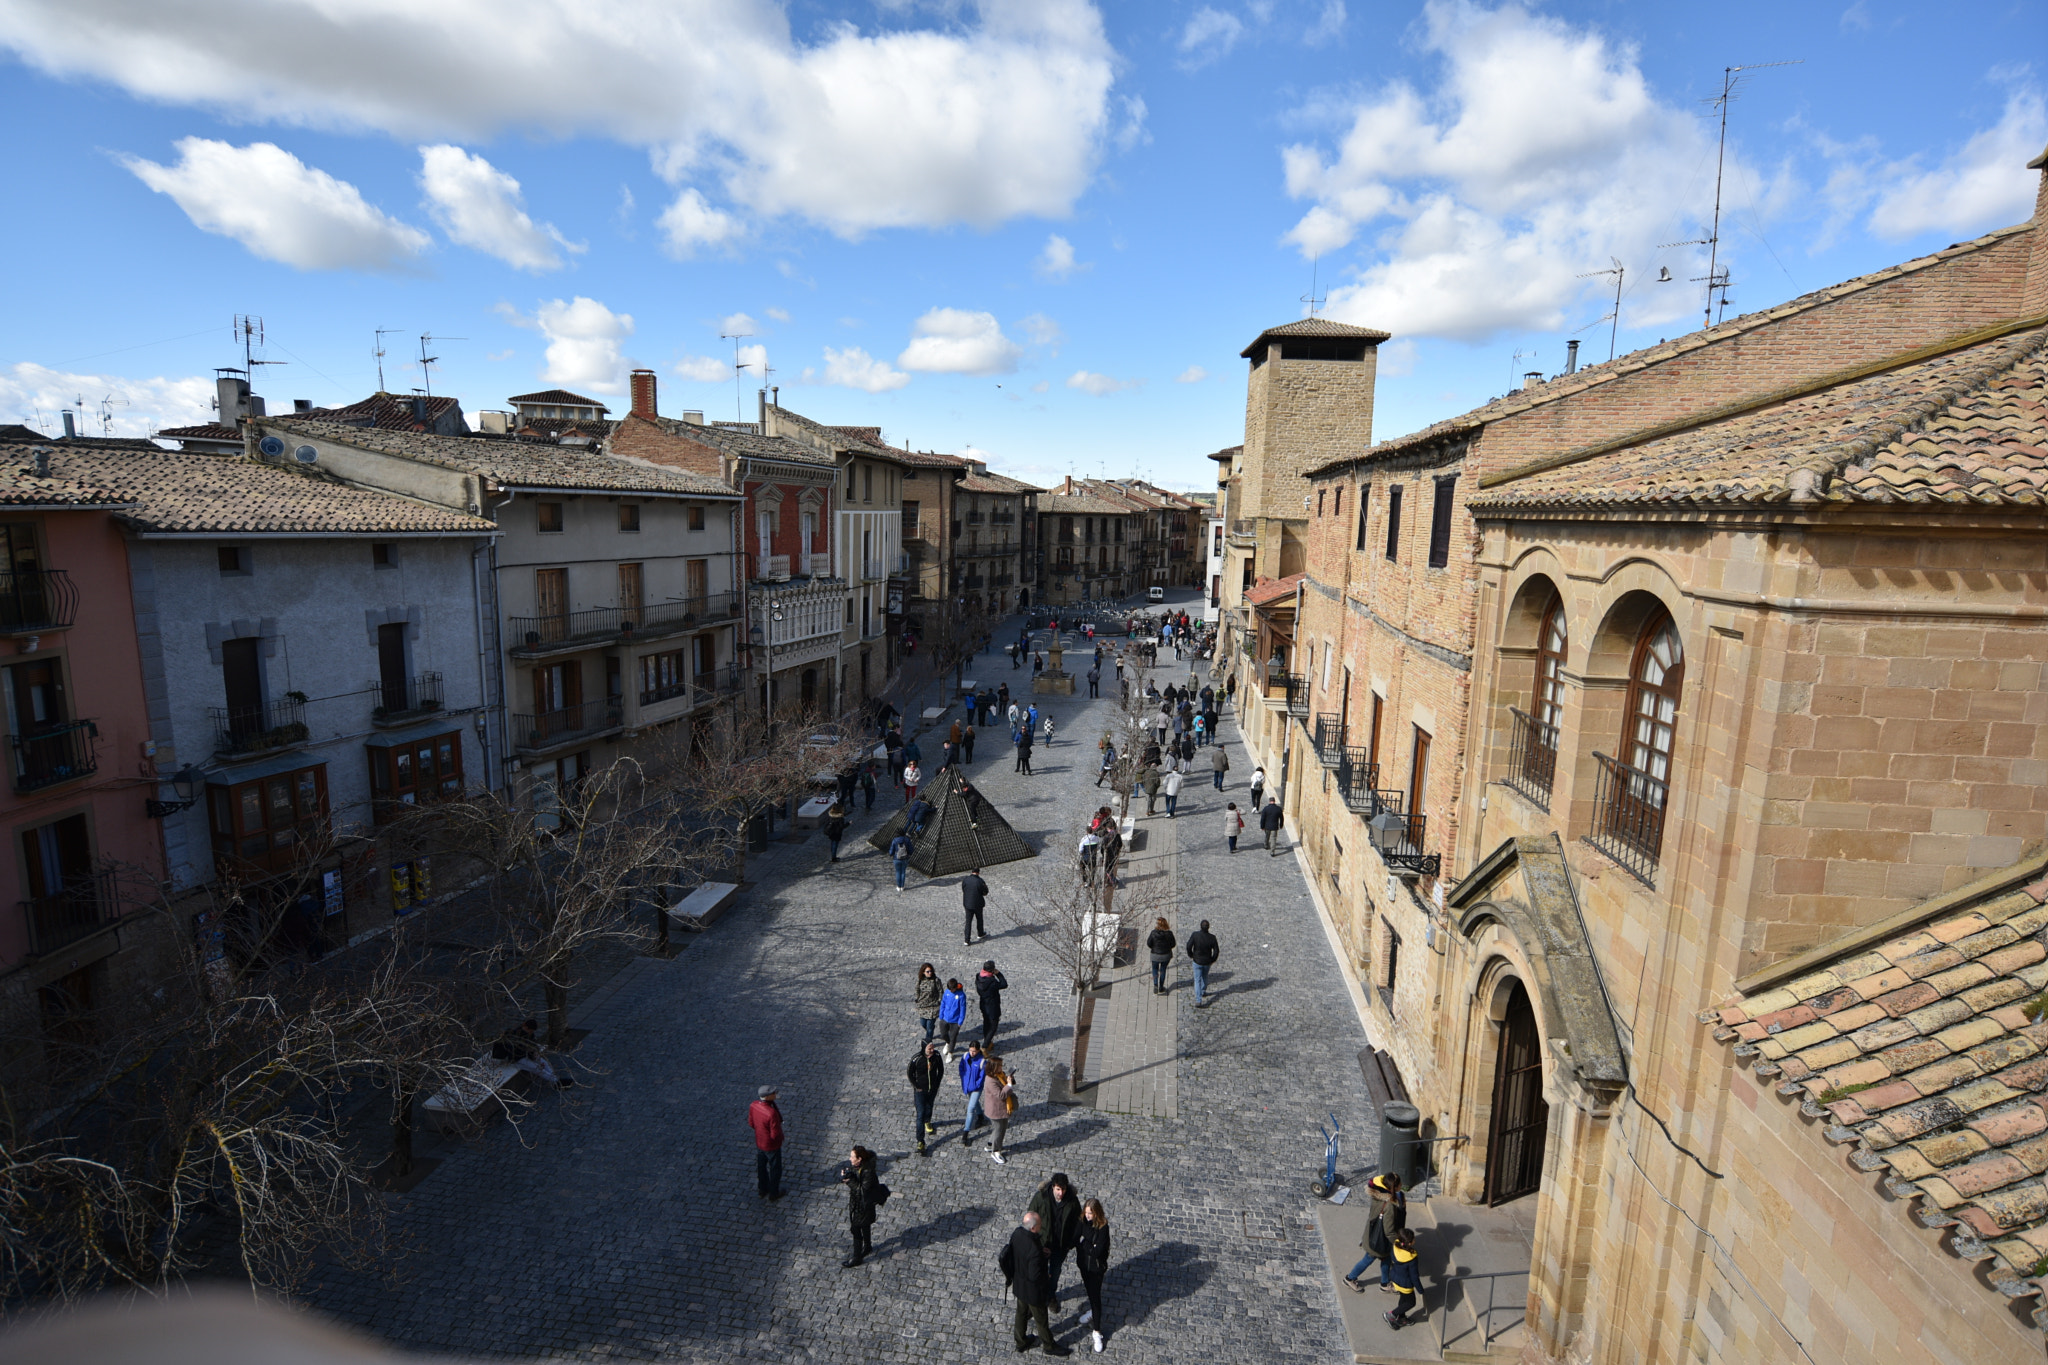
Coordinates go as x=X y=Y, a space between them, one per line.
x=952 y=1014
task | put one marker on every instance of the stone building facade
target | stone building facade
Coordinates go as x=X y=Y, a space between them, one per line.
x=1086 y=542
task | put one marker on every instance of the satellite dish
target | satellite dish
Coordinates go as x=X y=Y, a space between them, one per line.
x=306 y=454
x=271 y=446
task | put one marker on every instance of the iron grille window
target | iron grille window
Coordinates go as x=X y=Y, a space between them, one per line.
x=1440 y=522
x=1394 y=523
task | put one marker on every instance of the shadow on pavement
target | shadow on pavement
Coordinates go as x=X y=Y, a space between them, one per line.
x=1169 y=1271
x=947 y=1227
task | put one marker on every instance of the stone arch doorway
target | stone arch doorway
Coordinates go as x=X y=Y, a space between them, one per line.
x=1519 y=1120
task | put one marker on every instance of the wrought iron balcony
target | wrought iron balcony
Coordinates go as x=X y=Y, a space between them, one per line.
x=974 y=518
x=1329 y=732
x=34 y=600
x=84 y=905
x=54 y=754
x=1628 y=817
x=551 y=729
x=1356 y=778
x=575 y=629
x=406 y=700
x=706 y=688
x=1532 y=757
x=1400 y=837
x=258 y=729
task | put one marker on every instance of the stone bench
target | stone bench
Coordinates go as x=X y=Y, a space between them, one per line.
x=464 y=1103
x=811 y=813
x=703 y=905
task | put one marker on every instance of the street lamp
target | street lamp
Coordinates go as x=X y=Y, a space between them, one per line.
x=185 y=782
x=1389 y=831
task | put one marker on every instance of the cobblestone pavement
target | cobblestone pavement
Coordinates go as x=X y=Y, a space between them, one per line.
x=621 y=1221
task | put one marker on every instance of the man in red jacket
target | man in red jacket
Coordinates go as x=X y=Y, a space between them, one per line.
x=766 y=1121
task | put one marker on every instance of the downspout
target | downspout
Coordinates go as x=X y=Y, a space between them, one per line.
x=497 y=639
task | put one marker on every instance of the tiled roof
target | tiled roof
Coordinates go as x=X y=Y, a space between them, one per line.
x=1227 y=454
x=514 y=463
x=173 y=491
x=1315 y=327
x=928 y=458
x=388 y=411
x=559 y=428
x=107 y=442
x=558 y=397
x=1272 y=589
x=1927 y=1053
x=997 y=483
x=205 y=431
x=1080 y=504
x=745 y=443
x=21 y=487
x=1969 y=426
x=15 y=431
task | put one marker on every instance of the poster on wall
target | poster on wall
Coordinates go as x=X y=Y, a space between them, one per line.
x=330 y=891
x=401 y=888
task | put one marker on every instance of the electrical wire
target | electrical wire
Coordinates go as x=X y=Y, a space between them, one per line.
x=122 y=350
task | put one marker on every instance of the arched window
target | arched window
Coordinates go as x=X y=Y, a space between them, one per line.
x=1534 y=768
x=1635 y=792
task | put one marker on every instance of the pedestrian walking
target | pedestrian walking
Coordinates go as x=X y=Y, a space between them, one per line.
x=1013 y=657
x=835 y=828
x=1058 y=1206
x=973 y=1071
x=1091 y=1258
x=899 y=854
x=952 y=1013
x=1203 y=950
x=998 y=1102
x=1148 y=778
x=1201 y=730
x=764 y=1116
x=973 y=900
x=1407 y=1282
x=989 y=985
x=1270 y=821
x=1389 y=1215
x=953 y=734
x=1037 y=667
x=927 y=1072
x=967 y=744
x=1003 y=700
x=1045 y=728
x=1258 y=785
x=927 y=996
x=1031 y=718
x=1160 y=943
x=1172 y=784
x=1024 y=753
x=1108 y=762
x=1219 y=764
x=1095 y=678
x=1024 y=1270
x=1233 y=825
x=867 y=783
x=864 y=1194
x=913 y=778
x=1016 y=715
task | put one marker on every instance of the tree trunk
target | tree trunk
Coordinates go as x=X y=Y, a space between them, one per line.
x=557 y=995
x=404 y=1091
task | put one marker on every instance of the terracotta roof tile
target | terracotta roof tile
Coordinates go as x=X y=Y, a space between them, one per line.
x=1942 y=1088
x=1317 y=327
x=521 y=464
x=1272 y=589
x=557 y=397
x=1080 y=504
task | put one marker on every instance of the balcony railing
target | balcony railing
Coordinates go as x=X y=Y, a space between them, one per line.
x=1329 y=732
x=54 y=754
x=406 y=699
x=540 y=633
x=550 y=728
x=1356 y=778
x=60 y=920
x=1003 y=518
x=258 y=729
x=872 y=570
x=36 y=599
x=974 y=518
x=1400 y=836
x=1628 y=817
x=1532 y=757
x=719 y=682
x=994 y=550
x=1281 y=686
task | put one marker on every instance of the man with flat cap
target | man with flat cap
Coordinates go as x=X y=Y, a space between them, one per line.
x=766 y=1121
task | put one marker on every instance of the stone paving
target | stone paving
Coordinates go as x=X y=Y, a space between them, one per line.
x=620 y=1219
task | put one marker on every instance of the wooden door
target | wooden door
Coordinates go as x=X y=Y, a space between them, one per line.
x=697 y=581
x=632 y=595
x=1521 y=1116
x=551 y=602
x=1418 y=772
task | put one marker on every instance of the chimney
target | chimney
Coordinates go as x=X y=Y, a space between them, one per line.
x=693 y=417
x=2034 y=294
x=302 y=405
x=231 y=396
x=70 y=427
x=1571 y=357
x=1532 y=379
x=419 y=409
x=42 y=456
x=643 y=394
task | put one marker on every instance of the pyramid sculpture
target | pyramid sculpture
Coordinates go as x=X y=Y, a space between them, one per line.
x=964 y=832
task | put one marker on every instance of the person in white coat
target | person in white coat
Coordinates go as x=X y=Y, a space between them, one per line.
x=1173 y=781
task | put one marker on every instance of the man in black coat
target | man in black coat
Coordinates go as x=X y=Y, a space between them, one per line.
x=1024 y=1266
x=1270 y=821
x=1203 y=950
x=973 y=899
x=927 y=1072
x=989 y=985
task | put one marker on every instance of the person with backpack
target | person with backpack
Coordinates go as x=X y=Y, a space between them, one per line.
x=1160 y=943
x=1407 y=1280
x=952 y=1014
x=1389 y=1215
x=900 y=849
x=1058 y=1206
x=998 y=1102
x=989 y=985
x=835 y=828
x=1203 y=950
x=1270 y=822
x=865 y=1193
x=928 y=998
x=973 y=1072
x=927 y=1072
x=867 y=783
x=1233 y=825
x=1022 y=1260
x=1091 y=1258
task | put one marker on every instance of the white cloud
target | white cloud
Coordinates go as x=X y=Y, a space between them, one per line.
x=691 y=222
x=1193 y=374
x=754 y=360
x=479 y=206
x=1329 y=24
x=35 y=394
x=1208 y=37
x=1983 y=184
x=975 y=115
x=1042 y=386
x=955 y=341
x=736 y=324
x=779 y=314
x=1131 y=130
x=854 y=368
x=1540 y=153
x=704 y=369
x=584 y=340
x=1042 y=330
x=1101 y=385
x=1057 y=261
x=280 y=208
x=1397 y=358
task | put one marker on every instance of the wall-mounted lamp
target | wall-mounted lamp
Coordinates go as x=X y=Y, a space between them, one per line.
x=185 y=782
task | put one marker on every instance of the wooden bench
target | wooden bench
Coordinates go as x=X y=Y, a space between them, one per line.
x=463 y=1104
x=703 y=905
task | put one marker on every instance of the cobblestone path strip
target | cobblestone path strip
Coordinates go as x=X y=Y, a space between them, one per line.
x=1136 y=1054
x=620 y=1220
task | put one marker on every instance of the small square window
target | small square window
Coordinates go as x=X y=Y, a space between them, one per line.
x=629 y=517
x=549 y=515
x=696 y=518
x=234 y=559
x=383 y=554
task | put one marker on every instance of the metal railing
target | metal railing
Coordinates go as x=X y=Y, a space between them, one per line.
x=975 y=518
x=53 y=754
x=1401 y=844
x=873 y=569
x=59 y=920
x=604 y=623
x=1628 y=817
x=36 y=599
x=1329 y=732
x=719 y=682
x=1485 y=1322
x=253 y=729
x=414 y=696
x=1284 y=684
x=1356 y=778
x=549 y=728
x=1532 y=757
x=998 y=550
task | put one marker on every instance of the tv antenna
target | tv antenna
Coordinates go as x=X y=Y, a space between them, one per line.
x=426 y=375
x=1313 y=299
x=107 y=406
x=378 y=351
x=1618 y=270
x=249 y=331
x=739 y=385
x=1717 y=277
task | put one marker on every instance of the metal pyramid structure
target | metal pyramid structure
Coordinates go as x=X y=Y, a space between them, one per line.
x=964 y=832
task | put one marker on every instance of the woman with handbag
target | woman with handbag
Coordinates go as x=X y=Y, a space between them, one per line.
x=1091 y=1258
x=1161 y=943
x=863 y=1196
x=928 y=998
x=998 y=1102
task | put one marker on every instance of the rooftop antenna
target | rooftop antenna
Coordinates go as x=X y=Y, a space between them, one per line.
x=1717 y=278
x=378 y=350
x=426 y=375
x=249 y=331
x=1313 y=299
x=1513 y=361
x=107 y=406
x=1618 y=270
x=739 y=387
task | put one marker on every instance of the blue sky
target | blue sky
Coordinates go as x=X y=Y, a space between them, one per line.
x=1037 y=230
